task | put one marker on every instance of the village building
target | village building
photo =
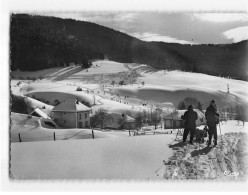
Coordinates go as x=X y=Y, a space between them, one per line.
x=174 y=121
x=129 y=122
x=39 y=113
x=71 y=114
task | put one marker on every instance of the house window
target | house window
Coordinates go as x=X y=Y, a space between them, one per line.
x=80 y=116
x=80 y=124
x=85 y=115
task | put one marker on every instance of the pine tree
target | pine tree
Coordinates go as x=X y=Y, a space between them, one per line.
x=199 y=106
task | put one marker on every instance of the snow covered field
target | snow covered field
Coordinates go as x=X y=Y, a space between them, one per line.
x=122 y=158
x=189 y=80
x=138 y=157
x=169 y=87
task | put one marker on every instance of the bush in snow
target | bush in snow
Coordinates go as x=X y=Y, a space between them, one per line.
x=121 y=83
x=79 y=89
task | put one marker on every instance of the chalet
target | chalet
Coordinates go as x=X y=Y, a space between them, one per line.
x=129 y=122
x=174 y=121
x=118 y=121
x=71 y=114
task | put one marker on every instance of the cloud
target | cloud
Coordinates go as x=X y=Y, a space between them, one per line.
x=125 y=17
x=148 y=36
x=65 y=15
x=237 y=34
x=221 y=17
x=96 y=16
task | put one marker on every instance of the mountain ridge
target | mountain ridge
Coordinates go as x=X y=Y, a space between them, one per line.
x=38 y=42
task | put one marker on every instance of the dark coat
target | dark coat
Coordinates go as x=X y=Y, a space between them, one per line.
x=190 y=116
x=211 y=115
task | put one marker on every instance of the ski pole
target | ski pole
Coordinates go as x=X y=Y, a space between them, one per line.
x=220 y=132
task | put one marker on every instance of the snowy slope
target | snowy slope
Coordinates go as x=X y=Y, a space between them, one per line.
x=122 y=158
x=168 y=87
x=197 y=81
x=138 y=157
x=176 y=94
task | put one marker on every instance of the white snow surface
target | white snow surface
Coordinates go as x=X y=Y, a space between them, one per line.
x=122 y=158
x=135 y=157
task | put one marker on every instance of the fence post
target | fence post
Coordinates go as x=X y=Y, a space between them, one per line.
x=54 y=136
x=92 y=134
x=19 y=135
x=129 y=133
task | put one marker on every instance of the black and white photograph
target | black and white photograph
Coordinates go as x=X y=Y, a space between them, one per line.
x=128 y=95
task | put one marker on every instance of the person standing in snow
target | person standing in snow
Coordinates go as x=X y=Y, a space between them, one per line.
x=190 y=116
x=212 y=118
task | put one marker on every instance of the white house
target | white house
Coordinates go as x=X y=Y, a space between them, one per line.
x=71 y=114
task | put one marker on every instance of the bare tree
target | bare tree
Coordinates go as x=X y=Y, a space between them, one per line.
x=99 y=118
x=139 y=120
x=156 y=116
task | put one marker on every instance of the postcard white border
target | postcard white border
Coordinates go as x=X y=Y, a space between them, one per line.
x=8 y=6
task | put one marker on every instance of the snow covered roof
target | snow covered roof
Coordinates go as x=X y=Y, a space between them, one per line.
x=177 y=114
x=129 y=119
x=70 y=105
x=40 y=113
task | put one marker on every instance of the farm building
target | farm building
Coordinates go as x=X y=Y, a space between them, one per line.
x=71 y=114
x=129 y=122
x=118 y=121
x=174 y=121
x=39 y=113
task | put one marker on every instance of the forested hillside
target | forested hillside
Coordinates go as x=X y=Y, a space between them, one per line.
x=38 y=42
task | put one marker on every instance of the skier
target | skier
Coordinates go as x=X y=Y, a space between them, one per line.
x=212 y=118
x=190 y=116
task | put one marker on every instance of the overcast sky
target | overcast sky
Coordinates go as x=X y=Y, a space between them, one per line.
x=184 y=28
